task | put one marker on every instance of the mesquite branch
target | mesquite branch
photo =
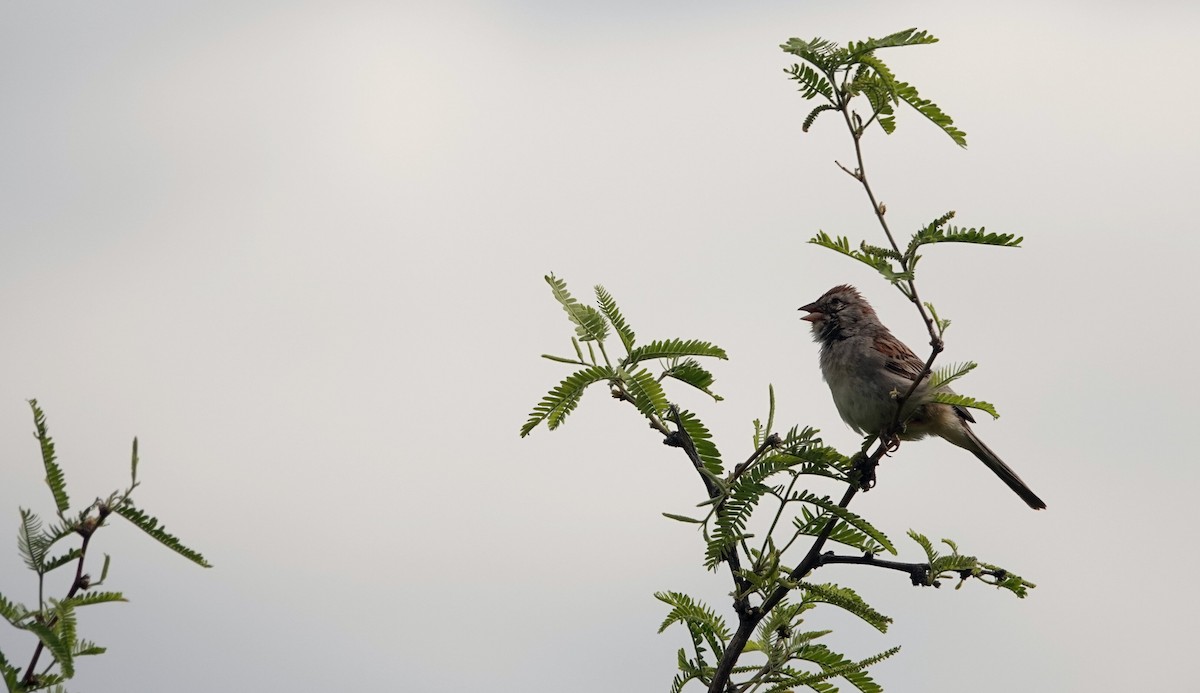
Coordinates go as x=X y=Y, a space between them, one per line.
x=864 y=471
x=81 y=582
x=856 y=128
x=760 y=583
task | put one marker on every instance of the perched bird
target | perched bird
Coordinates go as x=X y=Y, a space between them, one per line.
x=867 y=369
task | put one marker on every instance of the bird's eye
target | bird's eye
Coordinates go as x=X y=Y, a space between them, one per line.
x=835 y=303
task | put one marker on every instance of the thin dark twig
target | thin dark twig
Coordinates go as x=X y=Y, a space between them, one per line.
x=80 y=582
x=935 y=339
x=919 y=572
x=749 y=621
x=680 y=438
x=772 y=441
x=863 y=475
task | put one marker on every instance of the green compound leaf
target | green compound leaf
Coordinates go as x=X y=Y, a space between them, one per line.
x=647 y=392
x=908 y=93
x=691 y=372
x=32 y=541
x=947 y=374
x=964 y=401
x=10 y=674
x=590 y=325
x=54 y=475
x=53 y=642
x=90 y=597
x=150 y=526
x=673 y=348
x=702 y=439
x=812 y=524
x=608 y=306
x=829 y=506
x=905 y=37
x=847 y=599
x=563 y=399
x=867 y=255
x=12 y=611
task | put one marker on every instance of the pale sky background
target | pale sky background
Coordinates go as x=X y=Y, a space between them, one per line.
x=297 y=248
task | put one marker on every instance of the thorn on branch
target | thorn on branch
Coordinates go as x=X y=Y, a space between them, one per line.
x=856 y=174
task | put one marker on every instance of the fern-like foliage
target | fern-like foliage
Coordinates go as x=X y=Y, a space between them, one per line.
x=150 y=526
x=812 y=524
x=691 y=372
x=11 y=611
x=811 y=83
x=54 y=474
x=851 y=519
x=964 y=401
x=608 y=306
x=942 y=323
x=65 y=626
x=647 y=393
x=93 y=597
x=589 y=323
x=31 y=541
x=54 y=622
x=804 y=443
x=563 y=399
x=780 y=463
x=812 y=115
x=694 y=613
x=908 y=93
x=734 y=511
x=905 y=37
x=877 y=259
x=837 y=75
x=702 y=439
x=87 y=648
x=809 y=461
x=58 y=648
x=50 y=564
x=630 y=378
x=939 y=233
x=708 y=632
x=943 y=376
x=674 y=348
x=957 y=565
x=735 y=508
x=832 y=665
x=10 y=674
x=801 y=452
x=846 y=599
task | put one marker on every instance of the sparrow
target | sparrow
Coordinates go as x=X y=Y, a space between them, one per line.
x=867 y=369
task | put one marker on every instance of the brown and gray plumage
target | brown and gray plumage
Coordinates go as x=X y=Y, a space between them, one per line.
x=866 y=368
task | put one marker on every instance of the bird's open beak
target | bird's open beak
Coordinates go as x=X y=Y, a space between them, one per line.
x=814 y=315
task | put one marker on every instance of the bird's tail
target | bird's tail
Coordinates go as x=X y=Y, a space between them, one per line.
x=994 y=463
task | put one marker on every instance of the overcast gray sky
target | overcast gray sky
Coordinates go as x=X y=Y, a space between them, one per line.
x=298 y=247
